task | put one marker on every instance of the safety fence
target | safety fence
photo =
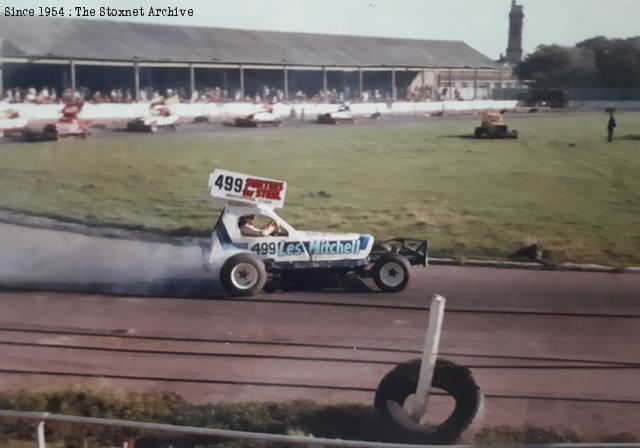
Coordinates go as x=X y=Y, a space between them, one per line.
x=158 y=428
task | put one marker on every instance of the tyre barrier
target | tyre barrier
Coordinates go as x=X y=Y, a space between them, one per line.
x=402 y=381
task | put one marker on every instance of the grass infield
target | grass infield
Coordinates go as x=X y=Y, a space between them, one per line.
x=560 y=185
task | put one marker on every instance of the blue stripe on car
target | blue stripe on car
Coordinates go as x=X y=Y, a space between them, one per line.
x=225 y=239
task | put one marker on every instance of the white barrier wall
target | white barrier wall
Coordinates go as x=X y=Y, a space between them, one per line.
x=229 y=110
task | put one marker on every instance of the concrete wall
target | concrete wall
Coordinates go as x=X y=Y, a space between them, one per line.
x=228 y=110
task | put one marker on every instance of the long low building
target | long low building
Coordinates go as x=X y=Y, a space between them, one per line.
x=99 y=53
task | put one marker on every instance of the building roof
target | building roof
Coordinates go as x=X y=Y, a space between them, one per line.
x=128 y=41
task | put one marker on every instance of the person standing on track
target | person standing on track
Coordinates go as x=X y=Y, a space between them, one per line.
x=611 y=125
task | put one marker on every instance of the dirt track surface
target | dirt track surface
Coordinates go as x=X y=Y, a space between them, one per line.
x=117 y=129
x=548 y=348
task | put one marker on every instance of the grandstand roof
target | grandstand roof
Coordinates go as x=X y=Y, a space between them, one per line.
x=64 y=38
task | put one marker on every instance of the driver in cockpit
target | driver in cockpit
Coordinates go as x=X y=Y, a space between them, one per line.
x=248 y=228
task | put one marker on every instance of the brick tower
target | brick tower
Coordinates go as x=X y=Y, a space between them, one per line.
x=516 y=19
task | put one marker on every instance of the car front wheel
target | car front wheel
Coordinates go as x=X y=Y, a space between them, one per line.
x=391 y=273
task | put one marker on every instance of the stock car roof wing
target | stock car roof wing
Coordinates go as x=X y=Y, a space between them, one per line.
x=244 y=189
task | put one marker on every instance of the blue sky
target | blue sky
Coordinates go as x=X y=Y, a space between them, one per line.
x=481 y=23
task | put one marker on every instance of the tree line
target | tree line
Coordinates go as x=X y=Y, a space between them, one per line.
x=593 y=63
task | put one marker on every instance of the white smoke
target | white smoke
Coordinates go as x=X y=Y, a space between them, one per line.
x=36 y=256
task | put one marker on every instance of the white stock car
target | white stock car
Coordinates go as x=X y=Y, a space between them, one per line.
x=342 y=116
x=158 y=117
x=259 y=119
x=11 y=123
x=292 y=257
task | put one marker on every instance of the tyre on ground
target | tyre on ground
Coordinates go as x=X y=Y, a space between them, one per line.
x=391 y=273
x=402 y=381
x=478 y=133
x=243 y=275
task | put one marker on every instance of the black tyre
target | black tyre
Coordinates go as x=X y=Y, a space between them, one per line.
x=243 y=275
x=478 y=133
x=402 y=381
x=391 y=273
x=50 y=136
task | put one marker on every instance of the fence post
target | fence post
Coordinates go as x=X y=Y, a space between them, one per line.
x=72 y=71
x=192 y=79
x=1 y=74
x=41 y=441
x=84 y=438
x=136 y=80
x=429 y=355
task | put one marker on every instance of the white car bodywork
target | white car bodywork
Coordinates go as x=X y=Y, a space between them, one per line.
x=312 y=249
x=160 y=121
x=259 y=119
x=11 y=122
x=159 y=117
x=342 y=115
x=265 y=116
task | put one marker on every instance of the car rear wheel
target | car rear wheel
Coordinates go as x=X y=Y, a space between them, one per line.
x=391 y=273
x=243 y=275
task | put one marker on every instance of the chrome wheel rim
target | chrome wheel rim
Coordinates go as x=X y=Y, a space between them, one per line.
x=244 y=276
x=392 y=274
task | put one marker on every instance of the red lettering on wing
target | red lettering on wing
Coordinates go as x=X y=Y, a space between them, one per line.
x=249 y=188
x=263 y=189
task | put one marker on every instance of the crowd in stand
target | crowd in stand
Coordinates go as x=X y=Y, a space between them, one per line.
x=31 y=95
x=49 y=95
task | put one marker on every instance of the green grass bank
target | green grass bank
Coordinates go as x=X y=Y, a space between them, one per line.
x=351 y=422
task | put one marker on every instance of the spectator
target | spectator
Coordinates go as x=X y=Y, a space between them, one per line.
x=31 y=96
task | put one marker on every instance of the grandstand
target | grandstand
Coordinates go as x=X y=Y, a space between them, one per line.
x=102 y=55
